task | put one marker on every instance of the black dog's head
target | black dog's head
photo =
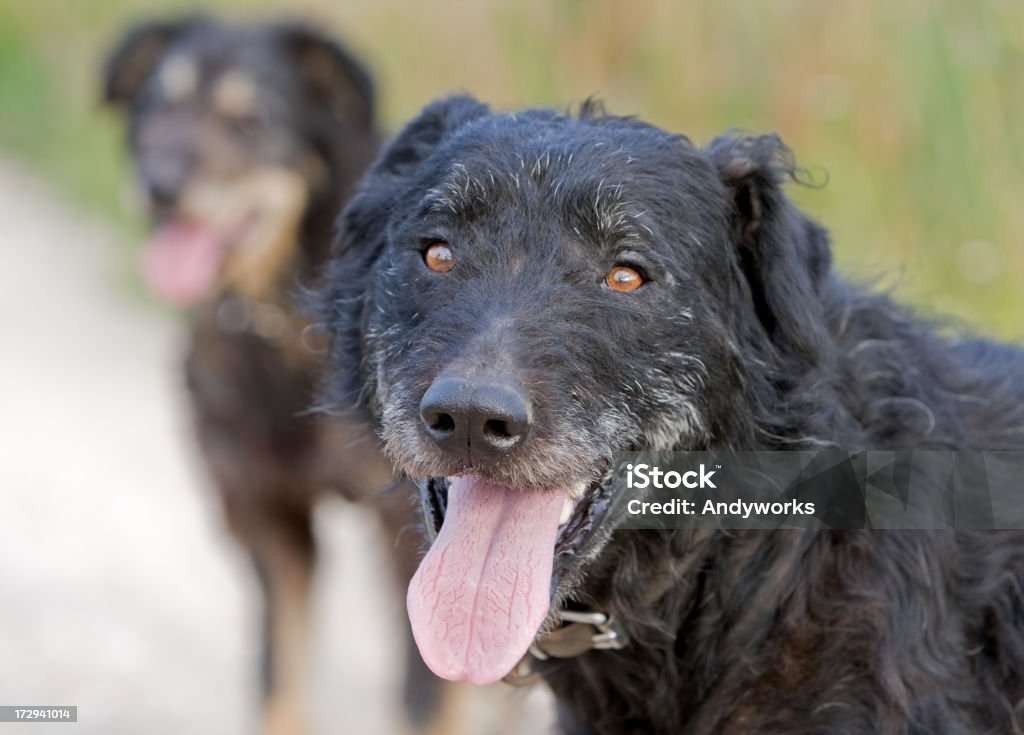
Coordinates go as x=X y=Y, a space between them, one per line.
x=528 y=294
x=238 y=133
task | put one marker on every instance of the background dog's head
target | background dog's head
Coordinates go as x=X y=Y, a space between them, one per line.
x=239 y=133
x=530 y=293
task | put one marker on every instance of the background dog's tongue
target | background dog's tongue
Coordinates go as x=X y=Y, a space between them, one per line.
x=181 y=261
x=483 y=589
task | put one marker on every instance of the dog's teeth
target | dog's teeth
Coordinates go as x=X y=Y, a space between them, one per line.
x=577 y=491
x=567 y=508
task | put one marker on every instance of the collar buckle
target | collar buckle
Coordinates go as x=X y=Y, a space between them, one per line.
x=579 y=633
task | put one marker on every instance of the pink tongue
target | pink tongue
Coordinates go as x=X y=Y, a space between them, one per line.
x=483 y=589
x=181 y=262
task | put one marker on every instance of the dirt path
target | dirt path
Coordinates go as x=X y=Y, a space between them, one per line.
x=119 y=592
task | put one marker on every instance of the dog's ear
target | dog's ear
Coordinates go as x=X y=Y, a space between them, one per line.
x=783 y=255
x=332 y=74
x=346 y=298
x=134 y=58
x=400 y=159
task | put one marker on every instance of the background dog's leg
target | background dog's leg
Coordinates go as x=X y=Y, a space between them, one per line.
x=279 y=538
x=431 y=704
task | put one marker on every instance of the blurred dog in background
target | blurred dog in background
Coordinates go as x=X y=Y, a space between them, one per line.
x=247 y=139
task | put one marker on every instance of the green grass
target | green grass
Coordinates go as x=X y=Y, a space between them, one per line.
x=914 y=109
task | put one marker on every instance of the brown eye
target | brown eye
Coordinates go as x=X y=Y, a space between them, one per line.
x=439 y=257
x=624 y=279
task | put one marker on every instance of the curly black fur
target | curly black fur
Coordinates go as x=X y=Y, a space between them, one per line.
x=743 y=337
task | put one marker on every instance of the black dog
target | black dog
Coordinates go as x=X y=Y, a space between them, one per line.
x=520 y=296
x=247 y=140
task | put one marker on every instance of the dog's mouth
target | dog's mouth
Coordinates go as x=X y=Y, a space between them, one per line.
x=235 y=234
x=183 y=258
x=484 y=590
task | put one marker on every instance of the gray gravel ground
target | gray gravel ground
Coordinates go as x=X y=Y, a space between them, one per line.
x=119 y=591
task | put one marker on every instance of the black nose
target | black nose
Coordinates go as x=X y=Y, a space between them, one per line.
x=163 y=193
x=475 y=419
x=164 y=176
